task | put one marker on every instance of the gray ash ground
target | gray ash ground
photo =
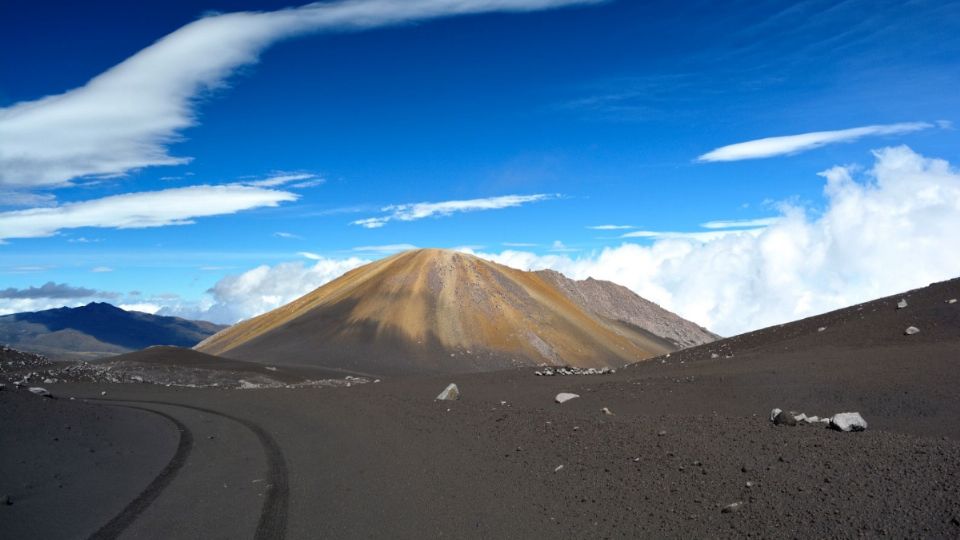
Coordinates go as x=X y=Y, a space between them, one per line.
x=689 y=436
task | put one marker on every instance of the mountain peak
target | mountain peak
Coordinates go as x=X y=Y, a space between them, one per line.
x=435 y=310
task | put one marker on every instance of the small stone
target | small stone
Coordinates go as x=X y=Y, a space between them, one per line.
x=800 y=418
x=661 y=433
x=902 y=303
x=732 y=507
x=774 y=413
x=606 y=411
x=103 y=393
x=813 y=419
x=911 y=330
x=850 y=421
x=750 y=484
x=558 y=469
x=714 y=356
x=48 y=381
x=952 y=301
x=785 y=419
x=3 y=387
x=821 y=329
x=563 y=397
x=40 y=391
x=450 y=393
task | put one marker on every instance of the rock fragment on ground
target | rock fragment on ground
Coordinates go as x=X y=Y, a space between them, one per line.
x=606 y=411
x=784 y=418
x=952 y=301
x=40 y=391
x=563 y=397
x=732 y=507
x=902 y=303
x=911 y=330
x=774 y=413
x=848 y=421
x=450 y=393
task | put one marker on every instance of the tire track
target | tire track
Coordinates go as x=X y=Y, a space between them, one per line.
x=273 y=515
x=129 y=514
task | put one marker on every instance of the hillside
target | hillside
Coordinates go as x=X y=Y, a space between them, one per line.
x=97 y=330
x=439 y=311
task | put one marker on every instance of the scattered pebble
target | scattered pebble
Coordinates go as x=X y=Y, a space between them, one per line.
x=911 y=330
x=606 y=411
x=850 y=421
x=952 y=301
x=732 y=507
x=450 y=393
x=821 y=329
x=559 y=467
x=40 y=391
x=563 y=397
x=570 y=370
x=661 y=434
x=902 y=303
x=103 y=393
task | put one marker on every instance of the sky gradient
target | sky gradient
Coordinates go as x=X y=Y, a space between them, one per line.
x=742 y=164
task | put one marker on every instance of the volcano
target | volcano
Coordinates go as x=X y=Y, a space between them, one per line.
x=439 y=311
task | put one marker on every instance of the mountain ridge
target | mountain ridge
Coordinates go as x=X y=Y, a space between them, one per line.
x=433 y=310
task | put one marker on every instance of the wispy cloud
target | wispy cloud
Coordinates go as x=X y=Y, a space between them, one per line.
x=610 y=227
x=560 y=247
x=793 y=144
x=740 y=223
x=49 y=290
x=288 y=236
x=179 y=206
x=698 y=236
x=101 y=269
x=126 y=117
x=297 y=180
x=389 y=248
x=413 y=212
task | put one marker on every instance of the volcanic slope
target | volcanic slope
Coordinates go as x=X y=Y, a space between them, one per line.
x=436 y=311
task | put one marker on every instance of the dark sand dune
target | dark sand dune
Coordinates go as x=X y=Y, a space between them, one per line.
x=437 y=311
x=689 y=435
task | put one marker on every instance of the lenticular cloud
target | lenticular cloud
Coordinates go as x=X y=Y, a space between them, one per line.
x=124 y=118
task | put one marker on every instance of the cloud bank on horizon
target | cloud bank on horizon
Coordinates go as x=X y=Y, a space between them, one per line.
x=125 y=118
x=793 y=144
x=879 y=234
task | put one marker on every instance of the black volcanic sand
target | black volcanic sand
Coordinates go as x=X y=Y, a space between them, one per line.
x=688 y=434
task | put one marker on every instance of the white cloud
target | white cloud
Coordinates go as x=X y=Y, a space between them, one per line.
x=179 y=206
x=101 y=269
x=287 y=235
x=739 y=223
x=126 y=117
x=412 y=212
x=698 y=236
x=144 y=307
x=610 y=227
x=389 y=248
x=792 y=144
x=887 y=232
x=560 y=247
x=261 y=289
x=301 y=179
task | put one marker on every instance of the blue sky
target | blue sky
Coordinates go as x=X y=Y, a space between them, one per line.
x=592 y=113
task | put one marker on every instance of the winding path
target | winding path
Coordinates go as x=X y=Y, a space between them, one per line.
x=272 y=524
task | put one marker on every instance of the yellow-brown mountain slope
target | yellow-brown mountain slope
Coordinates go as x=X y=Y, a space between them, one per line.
x=434 y=310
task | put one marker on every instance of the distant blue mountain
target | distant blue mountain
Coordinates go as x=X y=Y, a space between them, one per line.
x=96 y=330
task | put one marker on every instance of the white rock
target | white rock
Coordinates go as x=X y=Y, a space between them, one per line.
x=813 y=419
x=606 y=411
x=563 y=397
x=902 y=303
x=801 y=417
x=821 y=329
x=3 y=386
x=450 y=393
x=48 y=381
x=714 y=355
x=952 y=301
x=911 y=330
x=848 y=421
x=40 y=391
x=559 y=467
x=103 y=393
x=774 y=413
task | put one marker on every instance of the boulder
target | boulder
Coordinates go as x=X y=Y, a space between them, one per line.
x=732 y=507
x=40 y=391
x=901 y=304
x=848 y=421
x=784 y=418
x=911 y=330
x=563 y=397
x=450 y=393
